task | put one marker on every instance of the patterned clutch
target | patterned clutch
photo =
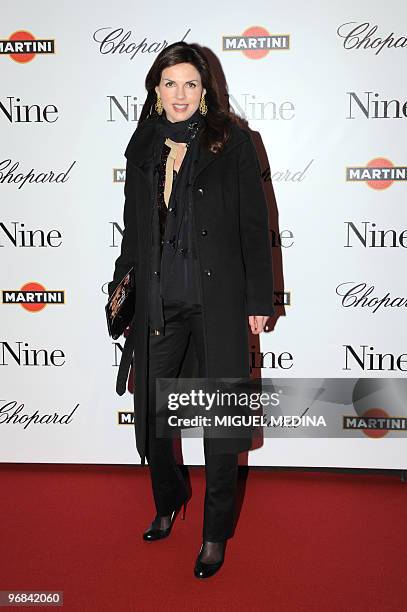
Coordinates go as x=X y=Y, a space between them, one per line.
x=121 y=304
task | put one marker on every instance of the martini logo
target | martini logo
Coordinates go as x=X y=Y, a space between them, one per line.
x=22 y=46
x=33 y=296
x=256 y=42
x=282 y=298
x=375 y=423
x=125 y=418
x=119 y=175
x=379 y=173
x=380 y=406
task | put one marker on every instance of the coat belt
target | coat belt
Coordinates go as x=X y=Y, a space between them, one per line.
x=126 y=359
x=125 y=363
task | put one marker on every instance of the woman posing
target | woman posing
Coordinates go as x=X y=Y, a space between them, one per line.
x=196 y=230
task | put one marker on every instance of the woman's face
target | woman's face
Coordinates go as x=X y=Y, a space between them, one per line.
x=180 y=90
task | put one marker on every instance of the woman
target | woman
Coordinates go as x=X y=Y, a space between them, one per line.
x=196 y=231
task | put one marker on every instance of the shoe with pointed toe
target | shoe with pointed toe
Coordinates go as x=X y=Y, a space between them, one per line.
x=206 y=570
x=154 y=532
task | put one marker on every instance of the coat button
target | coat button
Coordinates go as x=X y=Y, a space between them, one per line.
x=208 y=272
x=204 y=232
x=200 y=191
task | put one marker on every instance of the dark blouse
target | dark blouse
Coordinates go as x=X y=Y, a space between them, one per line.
x=183 y=285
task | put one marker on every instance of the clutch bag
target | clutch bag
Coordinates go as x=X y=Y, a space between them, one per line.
x=120 y=307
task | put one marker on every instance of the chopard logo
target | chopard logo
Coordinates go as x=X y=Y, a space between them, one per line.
x=356 y=295
x=10 y=173
x=13 y=414
x=363 y=36
x=116 y=41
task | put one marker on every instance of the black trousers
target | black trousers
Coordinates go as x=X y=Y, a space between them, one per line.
x=166 y=352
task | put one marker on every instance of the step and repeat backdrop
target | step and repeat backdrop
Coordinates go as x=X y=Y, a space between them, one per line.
x=321 y=87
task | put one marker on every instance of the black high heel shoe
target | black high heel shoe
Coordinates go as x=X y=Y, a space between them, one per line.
x=205 y=570
x=156 y=533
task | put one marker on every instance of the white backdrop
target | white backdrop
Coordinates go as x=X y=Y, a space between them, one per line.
x=310 y=110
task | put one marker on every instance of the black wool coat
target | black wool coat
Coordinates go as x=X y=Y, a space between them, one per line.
x=232 y=234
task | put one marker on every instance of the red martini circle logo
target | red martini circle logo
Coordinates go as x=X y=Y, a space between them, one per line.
x=22 y=46
x=256 y=32
x=33 y=296
x=375 y=413
x=256 y=42
x=380 y=163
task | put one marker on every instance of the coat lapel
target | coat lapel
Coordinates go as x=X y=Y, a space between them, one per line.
x=204 y=159
x=140 y=148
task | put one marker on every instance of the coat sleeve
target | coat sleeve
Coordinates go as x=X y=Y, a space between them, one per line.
x=254 y=233
x=128 y=252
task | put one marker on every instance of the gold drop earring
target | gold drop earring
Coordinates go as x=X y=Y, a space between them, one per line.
x=203 y=109
x=159 y=105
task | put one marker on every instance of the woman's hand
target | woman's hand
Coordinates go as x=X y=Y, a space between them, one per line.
x=126 y=331
x=257 y=323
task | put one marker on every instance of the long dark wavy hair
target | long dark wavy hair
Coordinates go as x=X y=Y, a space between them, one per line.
x=218 y=118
